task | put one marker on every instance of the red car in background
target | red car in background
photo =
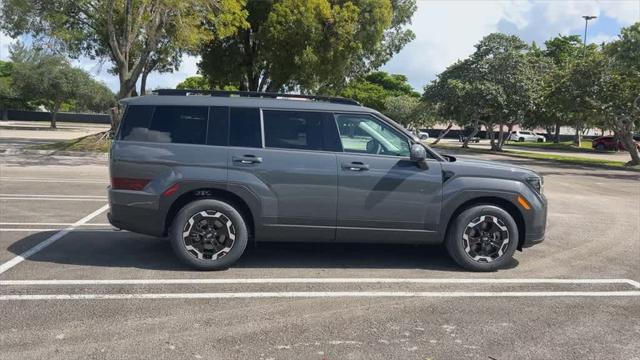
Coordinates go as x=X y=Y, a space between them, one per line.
x=611 y=143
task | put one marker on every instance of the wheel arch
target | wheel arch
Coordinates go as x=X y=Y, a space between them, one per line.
x=502 y=203
x=205 y=192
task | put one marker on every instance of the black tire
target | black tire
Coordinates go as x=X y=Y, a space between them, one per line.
x=211 y=207
x=455 y=242
x=521 y=139
x=600 y=147
x=540 y=140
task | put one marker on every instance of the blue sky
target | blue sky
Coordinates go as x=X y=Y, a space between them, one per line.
x=447 y=30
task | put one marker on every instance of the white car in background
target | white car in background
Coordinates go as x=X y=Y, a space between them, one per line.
x=423 y=135
x=525 y=136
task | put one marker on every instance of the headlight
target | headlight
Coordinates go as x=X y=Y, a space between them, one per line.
x=536 y=182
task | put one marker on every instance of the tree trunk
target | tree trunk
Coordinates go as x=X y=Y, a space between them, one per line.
x=556 y=137
x=630 y=145
x=54 y=114
x=143 y=83
x=624 y=129
x=476 y=126
x=501 y=136
x=115 y=115
x=578 y=137
x=443 y=133
x=492 y=136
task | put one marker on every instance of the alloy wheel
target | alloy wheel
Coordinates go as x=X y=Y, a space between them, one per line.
x=485 y=238
x=209 y=235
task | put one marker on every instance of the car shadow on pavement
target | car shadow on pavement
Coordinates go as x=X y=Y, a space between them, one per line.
x=128 y=250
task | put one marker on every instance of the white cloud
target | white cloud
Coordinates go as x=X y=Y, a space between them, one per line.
x=447 y=30
x=601 y=38
x=5 y=42
x=626 y=12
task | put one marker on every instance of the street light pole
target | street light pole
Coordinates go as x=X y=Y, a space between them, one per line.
x=586 y=23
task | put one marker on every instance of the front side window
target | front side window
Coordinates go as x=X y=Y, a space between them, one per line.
x=368 y=135
x=303 y=130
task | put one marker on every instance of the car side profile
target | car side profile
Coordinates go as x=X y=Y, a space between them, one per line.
x=213 y=171
x=611 y=143
x=523 y=135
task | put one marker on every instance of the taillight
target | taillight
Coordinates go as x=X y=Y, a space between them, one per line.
x=119 y=183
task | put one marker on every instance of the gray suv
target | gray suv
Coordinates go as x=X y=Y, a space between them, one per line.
x=214 y=171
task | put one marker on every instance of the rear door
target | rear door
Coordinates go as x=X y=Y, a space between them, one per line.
x=382 y=195
x=292 y=168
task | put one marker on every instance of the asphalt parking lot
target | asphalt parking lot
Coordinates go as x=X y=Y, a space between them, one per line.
x=92 y=292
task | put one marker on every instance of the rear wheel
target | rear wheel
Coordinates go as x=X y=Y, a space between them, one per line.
x=483 y=238
x=208 y=234
x=601 y=147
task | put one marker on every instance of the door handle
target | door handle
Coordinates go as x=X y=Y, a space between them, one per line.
x=355 y=166
x=247 y=159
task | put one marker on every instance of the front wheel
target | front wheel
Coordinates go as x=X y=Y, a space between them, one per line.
x=482 y=238
x=208 y=234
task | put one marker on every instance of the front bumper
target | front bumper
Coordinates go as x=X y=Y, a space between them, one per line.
x=535 y=221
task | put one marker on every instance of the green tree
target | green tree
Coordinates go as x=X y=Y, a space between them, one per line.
x=373 y=89
x=408 y=111
x=307 y=45
x=129 y=33
x=617 y=94
x=51 y=81
x=9 y=98
x=194 y=83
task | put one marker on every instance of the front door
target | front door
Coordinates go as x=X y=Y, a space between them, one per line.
x=383 y=196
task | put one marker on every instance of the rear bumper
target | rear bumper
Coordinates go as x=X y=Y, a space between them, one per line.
x=136 y=212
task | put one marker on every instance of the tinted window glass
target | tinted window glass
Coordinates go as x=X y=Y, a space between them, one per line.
x=244 y=127
x=294 y=129
x=179 y=124
x=136 y=123
x=368 y=135
x=218 y=132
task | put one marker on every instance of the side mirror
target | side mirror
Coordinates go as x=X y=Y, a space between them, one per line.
x=419 y=154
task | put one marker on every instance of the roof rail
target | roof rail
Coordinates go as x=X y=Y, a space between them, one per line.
x=271 y=95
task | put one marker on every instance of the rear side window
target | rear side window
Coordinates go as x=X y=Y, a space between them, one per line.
x=179 y=124
x=244 y=127
x=302 y=130
x=135 y=123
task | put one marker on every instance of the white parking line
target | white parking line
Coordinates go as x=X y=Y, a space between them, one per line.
x=54 y=180
x=50 y=224
x=317 y=281
x=51 y=199
x=54 y=196
x=55 y=229
x=50 y=240
x=321 y=294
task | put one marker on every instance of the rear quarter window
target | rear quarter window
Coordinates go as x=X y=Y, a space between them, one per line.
x=165 y=124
